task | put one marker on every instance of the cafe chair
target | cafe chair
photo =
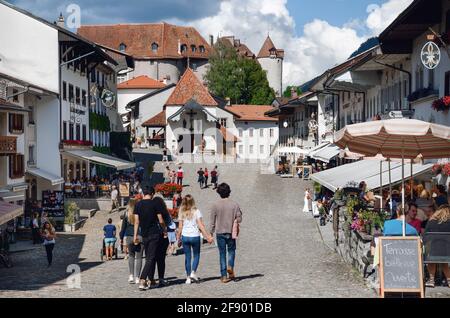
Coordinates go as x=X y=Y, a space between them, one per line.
x=92 y=190
x=68 y=191
x=78 y=190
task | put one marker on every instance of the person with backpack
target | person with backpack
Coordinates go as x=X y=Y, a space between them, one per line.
x=214 y=177
x=201 y=177
x=134 y=250
x=225 y=217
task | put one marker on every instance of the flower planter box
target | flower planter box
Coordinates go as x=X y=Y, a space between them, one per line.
x=71 y=228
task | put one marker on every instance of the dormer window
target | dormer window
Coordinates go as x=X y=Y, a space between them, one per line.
x=183 y=48
x=193 y=48
x=122 y=47
x=155 y=47
x=202 y=49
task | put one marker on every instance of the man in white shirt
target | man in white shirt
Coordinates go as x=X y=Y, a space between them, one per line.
x=114 y=198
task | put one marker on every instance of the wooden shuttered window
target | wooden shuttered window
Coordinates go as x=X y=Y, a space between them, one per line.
x=16 y=124
x=16 y=166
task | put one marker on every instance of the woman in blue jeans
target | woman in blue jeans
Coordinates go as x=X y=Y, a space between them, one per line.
x=191 y=225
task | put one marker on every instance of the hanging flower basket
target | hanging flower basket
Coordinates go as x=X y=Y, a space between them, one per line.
x=446 y=169
x=441 y=104
x=437 y=169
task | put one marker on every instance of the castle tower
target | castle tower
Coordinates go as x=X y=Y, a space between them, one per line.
x=271 y=60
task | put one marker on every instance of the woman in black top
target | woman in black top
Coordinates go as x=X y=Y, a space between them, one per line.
x=163 y=244
x=148 y=216
x=439 y=223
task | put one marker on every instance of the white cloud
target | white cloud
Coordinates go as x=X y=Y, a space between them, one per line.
x=320 y=47
x=381 y=16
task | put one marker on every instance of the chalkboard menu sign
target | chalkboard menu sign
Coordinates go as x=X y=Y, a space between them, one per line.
x=53 y=203
x=401 y=266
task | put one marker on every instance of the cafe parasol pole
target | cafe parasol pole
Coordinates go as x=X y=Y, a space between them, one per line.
x=403 y=190
x=412 y=181
x=390 y=185
x=381 y=185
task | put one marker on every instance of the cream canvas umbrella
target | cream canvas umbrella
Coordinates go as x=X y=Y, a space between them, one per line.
x=396 y=138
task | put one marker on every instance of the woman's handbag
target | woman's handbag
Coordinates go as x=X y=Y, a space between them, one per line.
x=236 y=230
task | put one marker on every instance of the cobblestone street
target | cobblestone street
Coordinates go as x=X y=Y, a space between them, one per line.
x=280 y=252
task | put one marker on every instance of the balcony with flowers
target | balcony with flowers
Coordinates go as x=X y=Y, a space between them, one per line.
x=76 y=144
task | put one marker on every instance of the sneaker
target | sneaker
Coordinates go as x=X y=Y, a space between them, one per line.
x=188 y=281
x=430 y=283
x=143 y=284
x=162 y=283
x=137 y=280
x=231 y=274
x=194 y=277
x=126 y=257
x=225 y=280
x=131 y=279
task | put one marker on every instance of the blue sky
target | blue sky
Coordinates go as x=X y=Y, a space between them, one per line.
x=336 y=12
x=315 y=34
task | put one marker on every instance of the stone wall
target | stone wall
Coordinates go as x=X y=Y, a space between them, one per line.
x=354 y=247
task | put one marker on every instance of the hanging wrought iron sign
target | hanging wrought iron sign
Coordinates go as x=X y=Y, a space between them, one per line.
x=430 y=55
x=108 y=98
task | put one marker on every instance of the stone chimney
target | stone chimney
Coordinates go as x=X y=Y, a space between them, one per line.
x=61 y=22
x=211 y=40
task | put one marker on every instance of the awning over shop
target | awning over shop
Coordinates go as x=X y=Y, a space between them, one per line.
x=317 y=148
x=327 y=153
x=9 y=212
x=368 y=171
x=54 y=180
x=293 y=150
x=101 y=159
x=11 y=196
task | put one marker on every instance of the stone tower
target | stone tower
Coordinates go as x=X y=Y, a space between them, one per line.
x=271 y=60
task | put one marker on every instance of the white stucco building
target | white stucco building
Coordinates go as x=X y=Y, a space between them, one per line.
x=257 y=133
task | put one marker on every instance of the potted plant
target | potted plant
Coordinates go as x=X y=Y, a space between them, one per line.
x=339 y=197
x=71 y=215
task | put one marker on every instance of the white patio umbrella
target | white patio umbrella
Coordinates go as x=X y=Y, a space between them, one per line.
x=396 y=138
x=293 y=150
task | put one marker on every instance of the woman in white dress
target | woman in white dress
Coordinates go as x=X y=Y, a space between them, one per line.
x=307 y=205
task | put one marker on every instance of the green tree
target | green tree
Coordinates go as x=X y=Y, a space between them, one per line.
x=288 y=92
x=240 y=79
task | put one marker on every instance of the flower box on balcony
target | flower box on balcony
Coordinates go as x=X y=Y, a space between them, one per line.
x=77 y=143
x=421 y=94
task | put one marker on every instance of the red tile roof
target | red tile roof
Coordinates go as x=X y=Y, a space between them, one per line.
x=268 y=50
x=189 y=87
x=251 y=112
x=157 y=121
x=141 y=82
x=139 y=38
x=241 y=48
